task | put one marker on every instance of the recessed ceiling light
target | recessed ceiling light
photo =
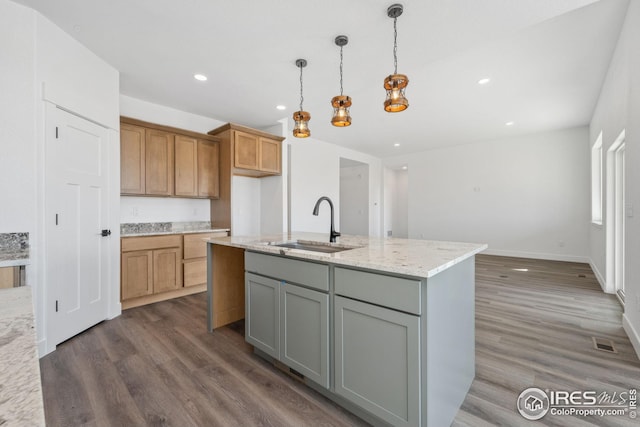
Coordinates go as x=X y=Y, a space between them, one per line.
x=509 y=123
x=484 y=81
x=281 y=107
x=397 y=144
x=200 y=77
x=404 y=168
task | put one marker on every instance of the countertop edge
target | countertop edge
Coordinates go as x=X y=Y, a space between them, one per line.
x=324 y=258
x=15 y=262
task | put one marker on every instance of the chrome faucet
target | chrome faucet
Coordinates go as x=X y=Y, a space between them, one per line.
x=332 y=233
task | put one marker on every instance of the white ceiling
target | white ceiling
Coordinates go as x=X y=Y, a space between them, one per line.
x=546 y=60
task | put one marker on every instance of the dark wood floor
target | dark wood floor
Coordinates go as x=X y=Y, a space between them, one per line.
x=156 y=365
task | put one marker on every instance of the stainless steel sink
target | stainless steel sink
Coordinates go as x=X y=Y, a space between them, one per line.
x=312 y=246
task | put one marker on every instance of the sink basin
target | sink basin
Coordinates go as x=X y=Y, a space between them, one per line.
x=313 y=246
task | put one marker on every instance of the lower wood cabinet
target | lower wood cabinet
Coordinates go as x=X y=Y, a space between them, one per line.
x=195 y=257
x=150 y=265
x=289 y=323
x=377 y=360
x=137 y=274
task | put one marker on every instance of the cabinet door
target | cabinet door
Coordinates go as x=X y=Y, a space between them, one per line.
x=208 y=169
x=246 y=150
x=167 y=269
x=186 y=166
x=270 y=155
x=195 y=272
x=159 y=162
x=132 y=159
x=262 y=320
x=137 y=274
x=9 y=276
x=377 y=360
x=304 y=332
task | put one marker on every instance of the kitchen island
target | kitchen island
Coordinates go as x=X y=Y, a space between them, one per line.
x=384 y=327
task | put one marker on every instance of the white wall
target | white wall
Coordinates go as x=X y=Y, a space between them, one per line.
x=315 y=172
x=525 y=196
x=388 y=179
x=354 y=200
x=273 y=189
x=161 y=209
x=40 y=62
x=17 y=119
x=618 y=109
x=400 y=204
x=245 y=206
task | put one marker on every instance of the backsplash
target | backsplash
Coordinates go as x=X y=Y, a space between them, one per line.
x=163 y=227
x=14 y=241
x=14 y=245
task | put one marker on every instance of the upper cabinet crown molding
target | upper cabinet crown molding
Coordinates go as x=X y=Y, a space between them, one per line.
x=251 y=152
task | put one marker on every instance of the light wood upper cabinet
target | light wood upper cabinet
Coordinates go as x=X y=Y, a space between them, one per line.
x=252 y=152
x=270 y=155
x=208 y=169
x=157 y=160
x=246 y=150
x=186 y=161
x=132 y=159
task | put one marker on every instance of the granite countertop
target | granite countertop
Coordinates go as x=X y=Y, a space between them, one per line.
x=14 y=249
x=419 y=258
x=161 y=228
x=20 y=389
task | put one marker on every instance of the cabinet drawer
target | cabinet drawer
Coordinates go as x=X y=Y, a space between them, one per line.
x=195 y=245
x=291 y=270
x=388 y=291
x=151 y=242
x=195 y=272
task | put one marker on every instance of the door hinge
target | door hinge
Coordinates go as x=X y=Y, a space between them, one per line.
x=56 y=219
x=56 y=306
x=56 y=132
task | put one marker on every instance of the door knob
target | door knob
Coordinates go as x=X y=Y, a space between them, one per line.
x=106 y=233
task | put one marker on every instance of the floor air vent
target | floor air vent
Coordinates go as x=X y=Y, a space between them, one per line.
x=604 y=345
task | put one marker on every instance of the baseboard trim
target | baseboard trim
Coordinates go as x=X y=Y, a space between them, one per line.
x=537 y=255
x=598 y=275
x=633 y=335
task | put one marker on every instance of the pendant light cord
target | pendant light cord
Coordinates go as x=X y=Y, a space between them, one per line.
x=395 y=46
x=340 y=70
x=301 y=97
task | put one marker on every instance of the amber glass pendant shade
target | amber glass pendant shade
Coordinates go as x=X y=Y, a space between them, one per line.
x=301 y=126
x=341 y=104
x=395 y=85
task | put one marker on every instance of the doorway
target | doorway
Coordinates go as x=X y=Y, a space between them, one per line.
x=354 y=197
x=77 y=256
x=615 y=230
x=396 y=202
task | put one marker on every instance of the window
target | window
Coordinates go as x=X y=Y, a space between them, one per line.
x=596 y=181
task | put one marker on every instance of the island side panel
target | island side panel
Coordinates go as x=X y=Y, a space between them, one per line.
x=448 y=341
x=225 y=285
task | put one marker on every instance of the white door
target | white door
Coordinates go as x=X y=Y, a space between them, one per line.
x=76 y=211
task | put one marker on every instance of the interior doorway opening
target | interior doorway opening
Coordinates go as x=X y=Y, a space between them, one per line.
x=354 y=197
x=396 y=201
x=615 y=230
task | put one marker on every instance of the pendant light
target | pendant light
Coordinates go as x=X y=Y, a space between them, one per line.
x=341 y=103
x=301 y=118
x=395 y=84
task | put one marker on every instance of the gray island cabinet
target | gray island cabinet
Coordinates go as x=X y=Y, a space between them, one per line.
x=391 y=341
